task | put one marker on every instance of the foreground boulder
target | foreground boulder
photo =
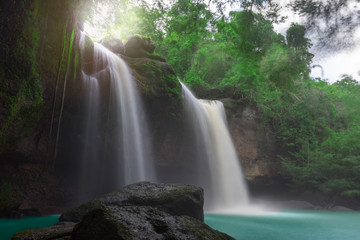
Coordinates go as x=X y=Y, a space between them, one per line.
x=171 y=198
x=139 y=211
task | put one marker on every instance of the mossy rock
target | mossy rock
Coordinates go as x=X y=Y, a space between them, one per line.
x=138 y=46
x=157 y=80
x=87 y=55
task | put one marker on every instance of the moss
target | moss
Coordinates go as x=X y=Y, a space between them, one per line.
x=171 y=88
x=98 y=224
x=22 y=87
x=76 y=64
x=157 y=80
x=67 y=63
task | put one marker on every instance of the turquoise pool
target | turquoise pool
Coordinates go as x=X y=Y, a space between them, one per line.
x=284 y=225
x=9 y=227
x=289 y=225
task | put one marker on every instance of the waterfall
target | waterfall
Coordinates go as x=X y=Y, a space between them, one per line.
x=220 y=172
x=116 y=140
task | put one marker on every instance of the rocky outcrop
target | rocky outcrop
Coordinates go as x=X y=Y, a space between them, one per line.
x=156 y=80
x=138 y=211
x=137 y=47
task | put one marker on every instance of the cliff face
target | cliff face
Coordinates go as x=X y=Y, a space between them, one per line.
x=36 y=47
x=36 y=57
x=256 y=146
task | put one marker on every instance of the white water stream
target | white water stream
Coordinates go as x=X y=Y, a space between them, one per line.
x=224 y=184
x=124 y=125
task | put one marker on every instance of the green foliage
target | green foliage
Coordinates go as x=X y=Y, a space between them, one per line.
x=295 y=36
x=333 y=169
x=325 y=153
x=276 y=68
x=250 y=34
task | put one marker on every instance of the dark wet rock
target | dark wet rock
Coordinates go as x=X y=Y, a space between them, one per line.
x=139 y=211
x=141 y=222
x=113 y=44
x=60 y=231
x=174 y=199
x=87 y=55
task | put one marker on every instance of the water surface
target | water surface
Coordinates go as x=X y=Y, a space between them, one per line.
x=285 y=225
x=8 y=227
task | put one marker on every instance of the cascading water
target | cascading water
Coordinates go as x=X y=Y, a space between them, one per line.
x=116 y=135
x=115 y=138
x=220 y=170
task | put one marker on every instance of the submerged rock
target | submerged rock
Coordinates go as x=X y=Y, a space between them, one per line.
x=340 y=208
x=139 y=211
x=58 y=231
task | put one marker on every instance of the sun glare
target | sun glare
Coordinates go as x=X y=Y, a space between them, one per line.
x=109 y=20
x=96 y=28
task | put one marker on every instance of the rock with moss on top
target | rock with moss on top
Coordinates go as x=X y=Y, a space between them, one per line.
x=141 y=47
